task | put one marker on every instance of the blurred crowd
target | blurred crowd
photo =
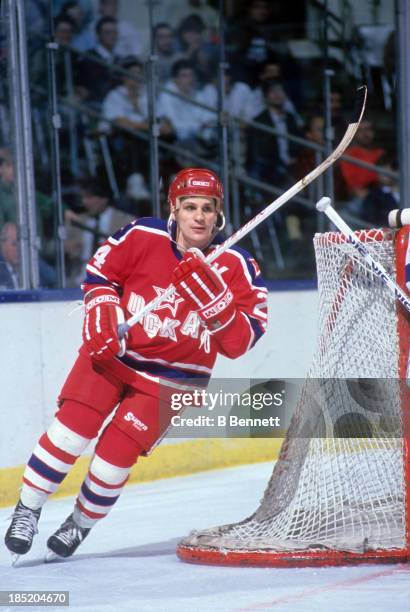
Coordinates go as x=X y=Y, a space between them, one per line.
x=102 y=76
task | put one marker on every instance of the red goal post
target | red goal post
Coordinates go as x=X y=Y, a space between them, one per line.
x=338 y=500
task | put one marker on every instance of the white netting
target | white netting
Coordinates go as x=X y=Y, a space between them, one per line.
x=339 y=492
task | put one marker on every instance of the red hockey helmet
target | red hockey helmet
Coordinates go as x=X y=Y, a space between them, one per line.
x=196 y=182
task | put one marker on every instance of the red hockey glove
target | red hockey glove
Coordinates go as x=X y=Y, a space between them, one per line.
x=204 y=289
x=103 y=314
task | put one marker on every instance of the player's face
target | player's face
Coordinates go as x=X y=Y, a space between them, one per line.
x=196 y=219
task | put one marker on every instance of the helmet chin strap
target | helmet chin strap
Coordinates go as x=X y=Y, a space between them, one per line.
x=171 y=220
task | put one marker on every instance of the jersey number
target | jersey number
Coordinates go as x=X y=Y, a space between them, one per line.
x=100 y=256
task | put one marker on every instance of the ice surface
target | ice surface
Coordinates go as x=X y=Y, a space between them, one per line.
x=128 y=562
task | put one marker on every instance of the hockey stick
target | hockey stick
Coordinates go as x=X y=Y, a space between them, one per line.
x=325 y=206
x=359 y=106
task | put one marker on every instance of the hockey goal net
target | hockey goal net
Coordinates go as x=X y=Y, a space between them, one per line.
x=339 y=497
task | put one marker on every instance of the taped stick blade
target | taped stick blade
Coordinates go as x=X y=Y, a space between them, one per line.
x=359 y=104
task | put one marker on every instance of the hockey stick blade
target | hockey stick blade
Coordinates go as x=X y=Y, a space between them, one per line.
x=358 y=110
x=359 y=104
x=324 y=205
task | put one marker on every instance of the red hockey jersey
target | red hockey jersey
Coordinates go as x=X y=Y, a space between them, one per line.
x=170 y=344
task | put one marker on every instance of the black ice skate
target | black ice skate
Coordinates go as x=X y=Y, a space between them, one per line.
x=65 y=541
x=23 y=527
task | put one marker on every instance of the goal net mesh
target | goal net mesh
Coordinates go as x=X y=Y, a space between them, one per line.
x=338 y=483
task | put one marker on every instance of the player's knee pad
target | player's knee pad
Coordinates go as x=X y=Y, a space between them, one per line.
x=117 y=448
x=80 y=418
x=66 y=439
x=138 y=417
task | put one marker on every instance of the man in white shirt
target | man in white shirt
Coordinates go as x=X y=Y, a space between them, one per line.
x=238 y=98
x=238 y=103
x=127 y=104
x=188 y=121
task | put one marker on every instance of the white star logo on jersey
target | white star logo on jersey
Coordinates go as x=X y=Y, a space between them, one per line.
x=171 y=302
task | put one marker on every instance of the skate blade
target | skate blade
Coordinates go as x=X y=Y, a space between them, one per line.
x=14 y=559
x=52 y=557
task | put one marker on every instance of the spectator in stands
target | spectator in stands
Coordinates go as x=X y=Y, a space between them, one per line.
x=37 y=23
x=307 y=159
x=127 y=107
x=80 y=12
x=98 y=74
x=165 y=51
x=8 y=205
x=238 y=103
x=339 y=116
x=44 y=211
x=189 y=122
x=38 y=19
x=301 y=222
x=359 y=180
x=174 y=11
x=192 y=44
x=384 y=197
x=239 y=97
x=87 y=230
x=127 y=104
x=129 y=38
x=252 y=39
x=9 y=257
x=87 y=8
x=64 y=28
x=10 y=261
x=270 y=156
x=271 y=70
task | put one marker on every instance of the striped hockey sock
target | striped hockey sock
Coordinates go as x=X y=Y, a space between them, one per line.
x=52 y=458
x=114 y=456
x=99 y=491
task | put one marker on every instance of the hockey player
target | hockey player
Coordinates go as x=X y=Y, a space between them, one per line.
x=218 y=309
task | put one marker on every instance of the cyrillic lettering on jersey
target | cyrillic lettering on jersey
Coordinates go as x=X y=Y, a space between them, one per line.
x=190 y=326
x=135 y=303
x=168 y=328
x=153 y=325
